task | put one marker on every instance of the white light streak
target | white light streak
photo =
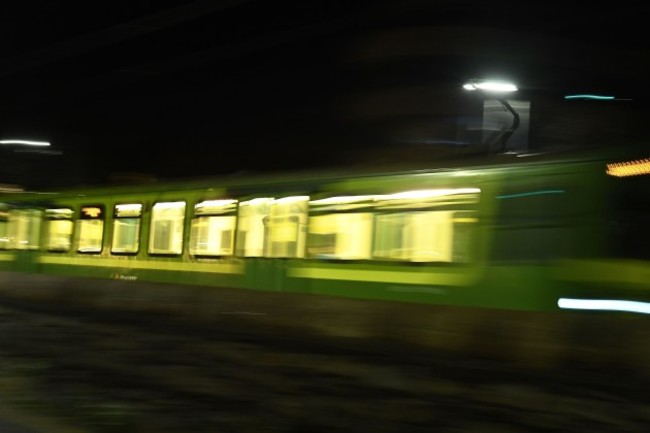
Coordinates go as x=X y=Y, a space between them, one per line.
x=169 y=205
x=215 y=203
x=491 y=86
x=343 y=199
x=128 y=207
x=604 y=305
x=429 y=193
x=26 y=142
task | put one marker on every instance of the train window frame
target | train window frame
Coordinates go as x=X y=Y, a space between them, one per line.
x=417 y=205
x=88 y=216
x=58 y=215
x=251 y=230
x=130 y=211
x=327 y=216
x=206 y=214
x=286 y=235
x=4 y=228
x=29 y=224
x=176 y=232
x=420 y=232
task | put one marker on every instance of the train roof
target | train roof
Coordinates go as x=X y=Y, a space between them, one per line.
x=245 y=180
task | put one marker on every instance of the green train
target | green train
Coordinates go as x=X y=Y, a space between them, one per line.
x=534 y=233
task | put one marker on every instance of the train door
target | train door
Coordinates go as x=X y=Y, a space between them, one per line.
x=269 y=232
x=23 y=236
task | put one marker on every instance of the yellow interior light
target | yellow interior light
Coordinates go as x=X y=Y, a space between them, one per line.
x=343 y=199
x=59 y=213
x=629 y=168
x=214 y=203
x=135 y=207
x=128 y=210
x=257 y=201
x=91 y=212
x=169 y=205
x=429 y=193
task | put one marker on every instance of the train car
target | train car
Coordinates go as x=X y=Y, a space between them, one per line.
x=484 y=259
x=515 y=233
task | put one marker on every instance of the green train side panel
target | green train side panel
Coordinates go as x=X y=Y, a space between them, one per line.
x=7 y=260
x=513 y=287
x=174 y=271
x=564 y=199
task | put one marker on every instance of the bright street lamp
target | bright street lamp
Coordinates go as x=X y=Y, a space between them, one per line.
x=490 y=86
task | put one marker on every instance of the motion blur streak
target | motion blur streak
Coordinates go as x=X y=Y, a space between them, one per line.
x=595 y=97
x=604 y=305
x=26 y=142
x=630 y=168
x=528 y=194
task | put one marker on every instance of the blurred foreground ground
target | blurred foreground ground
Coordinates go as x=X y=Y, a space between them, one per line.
x=145 y=374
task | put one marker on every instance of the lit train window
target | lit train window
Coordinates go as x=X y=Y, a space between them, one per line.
x=4 y=229
x=166 y=235
x=24 y=229
x=58 y=229
x=340 y=228
x=425 y=226
x=415 y=236
x=270 y=227
x=126 y=228
x=251 y=227
x=90 y=229
x=287 y=227
x=213 y=228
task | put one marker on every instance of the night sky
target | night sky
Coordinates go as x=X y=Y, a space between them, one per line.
x=137 y=90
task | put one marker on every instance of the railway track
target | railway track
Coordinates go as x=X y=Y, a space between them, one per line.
x=143 y=374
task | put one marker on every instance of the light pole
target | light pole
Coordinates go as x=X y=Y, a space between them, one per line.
x=497 y=90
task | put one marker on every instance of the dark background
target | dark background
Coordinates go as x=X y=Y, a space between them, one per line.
x=139 y=90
